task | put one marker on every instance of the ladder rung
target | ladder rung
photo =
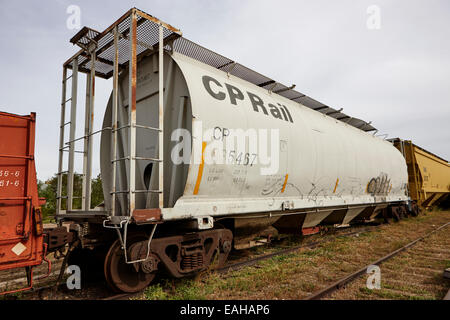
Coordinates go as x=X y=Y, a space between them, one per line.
x=136 y=158
x=147 y=191
x=65 y=124
x=122 y=191
x=98 y=131
x=120 y=128
x=89 y=135
x=136 y=191
x=66 y=101
x=150 y=159
x=65 y=149
x=66 y=197
x=62 y=172
x=120 y=159
x=138 y=126
x=147 y=127
x=68 y=77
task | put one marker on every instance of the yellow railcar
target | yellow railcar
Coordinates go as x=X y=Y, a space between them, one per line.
x=428 y=174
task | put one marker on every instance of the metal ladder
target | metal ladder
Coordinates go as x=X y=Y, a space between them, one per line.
x=62 y=147
x=132 y=126
x=70 y=145
x=89 y=51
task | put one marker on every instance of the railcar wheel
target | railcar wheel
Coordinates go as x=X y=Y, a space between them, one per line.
x=403 y=212
x=387 y=215
x=395 y=214
x=415 y=210
x=123 y=277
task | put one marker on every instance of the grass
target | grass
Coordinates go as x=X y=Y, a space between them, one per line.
x=48 y=219
x=393 y=295
x=277 y=270
x=447 y=264
x=244 y=280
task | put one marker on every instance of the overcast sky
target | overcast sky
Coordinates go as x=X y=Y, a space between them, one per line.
x=397 y=76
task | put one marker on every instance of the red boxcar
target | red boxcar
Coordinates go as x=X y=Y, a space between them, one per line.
x=21 y=232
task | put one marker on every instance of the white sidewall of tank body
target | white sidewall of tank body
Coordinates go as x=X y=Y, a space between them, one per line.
x=328 y=163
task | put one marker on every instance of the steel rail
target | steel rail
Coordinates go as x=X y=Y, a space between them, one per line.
x=447 y=296
x=353 y=276
x=328 y=237
x=311 y=245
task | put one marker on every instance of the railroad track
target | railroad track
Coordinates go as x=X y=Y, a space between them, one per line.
x=311 y=245
x=254 y=260
x=421 y=250
x=48 y=291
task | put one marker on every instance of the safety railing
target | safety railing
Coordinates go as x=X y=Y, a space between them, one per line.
x=143 y=33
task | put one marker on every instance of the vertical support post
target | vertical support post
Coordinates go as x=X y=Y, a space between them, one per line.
x=413 y=164
x=89 y=138
x=161 y=116
x=132 y=113
x=114 y=124
x=402 y=146
x=73 y=123
x=181 y=107
x=86 y=133
x=61 y=142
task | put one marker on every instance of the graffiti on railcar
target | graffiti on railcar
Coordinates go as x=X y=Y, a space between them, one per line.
x=380 y=185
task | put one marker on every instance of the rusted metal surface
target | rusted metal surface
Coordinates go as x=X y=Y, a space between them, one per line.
x=161 y=116
x=187 y=254
x=102 y=55
x=58 y=237
x=21 y=237
x=84 y=37
x=117 y=22
x=132 y=115
x=114 y=122
x=155 y=20
x=180 y=255
x=310 y=231
x=123 y=277
x=141 y=216
x=104 y=38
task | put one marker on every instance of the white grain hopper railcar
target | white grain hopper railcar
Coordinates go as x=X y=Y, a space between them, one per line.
x=300 y=163
x=324 y=165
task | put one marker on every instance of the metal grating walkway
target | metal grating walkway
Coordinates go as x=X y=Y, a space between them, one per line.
x=147 y=41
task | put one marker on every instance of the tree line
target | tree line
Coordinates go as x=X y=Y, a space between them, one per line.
x=47 y=189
